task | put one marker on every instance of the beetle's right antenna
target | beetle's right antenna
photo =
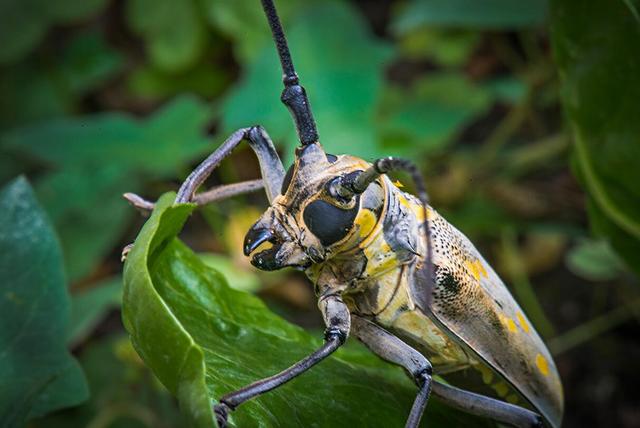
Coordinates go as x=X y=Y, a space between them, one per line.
x=293 y=95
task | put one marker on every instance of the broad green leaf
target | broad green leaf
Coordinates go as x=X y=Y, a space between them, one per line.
x=23 y=23
x=597 y=49
x=63 y=11
x=245 y=23
x=98 y=158
x=22 y=26
x=429 y=114
x=343 y=81
x=38 y=373
x=34 y=91
x=87 y=62
x=89 y=307
x=154 y=84
x=594 y=260
x=124 y=394
x=485 y=14
x=203 y=339
x=450 y=48
x=172 y=30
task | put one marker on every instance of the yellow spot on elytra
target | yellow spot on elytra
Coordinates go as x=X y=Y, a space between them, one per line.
x=398 y=184
x=542 y=364
x=476 y=269
x=523 y=322
x=501 y=388
x=512 y=398
x=487 y=374
x=481 y=268
x=508 y=323
x=366 y=219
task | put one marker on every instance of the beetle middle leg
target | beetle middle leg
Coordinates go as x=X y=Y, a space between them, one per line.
x=392 y=349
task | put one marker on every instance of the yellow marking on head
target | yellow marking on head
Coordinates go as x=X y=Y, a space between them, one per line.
x=398 y=184
x=542 y=364
x=523 y=322
x=367 y=220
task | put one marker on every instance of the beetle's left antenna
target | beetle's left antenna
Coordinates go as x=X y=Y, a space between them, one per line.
x=293 y=96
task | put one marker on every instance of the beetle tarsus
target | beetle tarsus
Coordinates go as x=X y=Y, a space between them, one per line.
x=334 y=333
x=222 y=411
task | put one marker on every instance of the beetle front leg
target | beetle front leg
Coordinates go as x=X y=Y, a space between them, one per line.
x=337 y=319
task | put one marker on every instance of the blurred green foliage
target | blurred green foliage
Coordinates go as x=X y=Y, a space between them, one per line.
x=102 y=97
x=38 y=373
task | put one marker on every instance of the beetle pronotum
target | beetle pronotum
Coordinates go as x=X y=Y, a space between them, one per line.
x=386 y=269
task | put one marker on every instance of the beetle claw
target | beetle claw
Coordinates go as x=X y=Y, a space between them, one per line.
x=221 y=411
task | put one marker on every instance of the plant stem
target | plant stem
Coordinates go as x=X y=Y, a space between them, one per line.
x=593 y=328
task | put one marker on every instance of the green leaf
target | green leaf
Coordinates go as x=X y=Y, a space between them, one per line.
x=22 y=26
x=23 y=23
x=484 y=14
x=124 y=394
x=38 y=373
x=172 y=30
x=154 y=84
x=63 y=11
x=429 y=114
x=98 y=158
x=203 y=339
x=89 y=307
x=244 y=22
x=34 y=91
x=597 y=48
x=450 y=48
x=594 y=260
x=343 y=81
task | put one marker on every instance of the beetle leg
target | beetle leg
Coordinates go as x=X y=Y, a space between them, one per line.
x=270 y=164
x=392 y=349
x=337 y=318
x=214 y=194
x=481 y=405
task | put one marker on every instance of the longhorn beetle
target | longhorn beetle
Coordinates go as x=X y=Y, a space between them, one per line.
x=386 y=268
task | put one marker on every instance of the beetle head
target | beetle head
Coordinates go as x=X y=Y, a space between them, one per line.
x=309 y=221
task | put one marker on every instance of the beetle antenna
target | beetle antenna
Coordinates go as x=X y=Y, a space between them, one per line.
x=293 y=96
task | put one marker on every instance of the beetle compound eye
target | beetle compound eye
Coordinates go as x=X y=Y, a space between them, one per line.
x=287 y=180
x=328 y=222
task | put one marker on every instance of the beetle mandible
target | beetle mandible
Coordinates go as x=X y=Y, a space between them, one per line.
x=386 y=268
